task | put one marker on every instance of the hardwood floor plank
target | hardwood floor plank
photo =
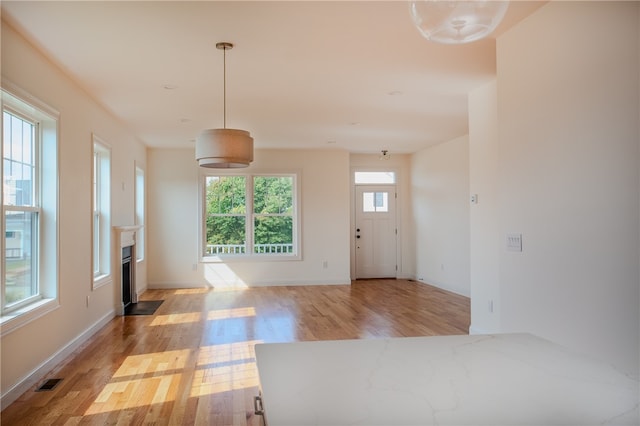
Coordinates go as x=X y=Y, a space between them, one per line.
x=193 y=362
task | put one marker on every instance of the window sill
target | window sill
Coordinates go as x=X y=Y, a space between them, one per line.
x=15 y=319
x=101 y=280
x=250 y=258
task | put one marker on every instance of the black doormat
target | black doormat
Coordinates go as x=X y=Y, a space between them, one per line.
x=143 y=307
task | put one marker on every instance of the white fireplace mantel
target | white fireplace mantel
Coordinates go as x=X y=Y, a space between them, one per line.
x=125 y=236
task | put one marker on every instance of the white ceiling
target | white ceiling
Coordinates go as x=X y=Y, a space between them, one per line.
x=328 y=74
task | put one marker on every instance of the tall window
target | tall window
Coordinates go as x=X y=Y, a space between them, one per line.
x=226 y=212
x=250 y=215
x=101 y=212
x=140 y=213
x=29 y=205
x=273 y=214
x=21 y=209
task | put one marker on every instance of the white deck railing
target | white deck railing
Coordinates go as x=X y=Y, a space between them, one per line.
x=213 y=249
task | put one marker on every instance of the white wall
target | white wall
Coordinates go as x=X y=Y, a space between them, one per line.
x=401 y=165
x=568 y=98
x=440 y=194
x=173 y=232
x=33 y=349
x=484 y=225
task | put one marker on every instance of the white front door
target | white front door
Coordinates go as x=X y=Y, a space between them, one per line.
x=375 y=231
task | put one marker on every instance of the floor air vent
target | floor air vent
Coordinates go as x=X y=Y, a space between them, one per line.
x=48 y=385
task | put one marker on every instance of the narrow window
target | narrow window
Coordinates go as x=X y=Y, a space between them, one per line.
x=140 y=213
x=101 y=212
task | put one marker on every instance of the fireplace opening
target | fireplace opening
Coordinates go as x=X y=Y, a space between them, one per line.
x=126 y=275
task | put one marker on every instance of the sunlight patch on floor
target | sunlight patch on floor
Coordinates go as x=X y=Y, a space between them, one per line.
x=225 y=367
x=184 y=291
x=187 y=317
x=153 y=363
x=219 y=314
x=133 y=393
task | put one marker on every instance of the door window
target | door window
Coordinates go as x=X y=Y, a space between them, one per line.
x=376 y=202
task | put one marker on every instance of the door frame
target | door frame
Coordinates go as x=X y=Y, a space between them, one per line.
x=352 y=232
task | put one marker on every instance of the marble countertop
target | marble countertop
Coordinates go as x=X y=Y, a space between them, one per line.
x=504 y=379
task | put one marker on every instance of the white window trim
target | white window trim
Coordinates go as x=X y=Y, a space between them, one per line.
x=105 y=275
x=371 y=170
x=16 y=98
x=252 y=257
x=141 y=247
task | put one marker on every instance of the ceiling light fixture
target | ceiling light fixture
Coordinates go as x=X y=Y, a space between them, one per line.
x=224 y=148
x=457 y=22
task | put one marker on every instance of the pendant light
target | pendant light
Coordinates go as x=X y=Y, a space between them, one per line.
x=224 y=148
x=457 y=22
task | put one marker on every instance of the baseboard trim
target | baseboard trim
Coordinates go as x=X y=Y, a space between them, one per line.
x=445 y=288
x=474 y=330
x=168 y=285
x=43 y=369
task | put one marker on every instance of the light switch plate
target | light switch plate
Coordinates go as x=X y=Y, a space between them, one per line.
x=514 y=242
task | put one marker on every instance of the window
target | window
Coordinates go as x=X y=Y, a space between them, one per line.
x=273 y=214
x=377 y=178
x=375 y=202
x=140 y=213
x=21 y=209
x=249 y=215
x=101 y=212
x=29 y=207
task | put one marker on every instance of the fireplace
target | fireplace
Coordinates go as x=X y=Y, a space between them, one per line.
x=127 y=271
x=125 y=267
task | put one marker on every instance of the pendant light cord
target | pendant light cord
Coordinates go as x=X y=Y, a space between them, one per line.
x=224 y=89
x=224 y=46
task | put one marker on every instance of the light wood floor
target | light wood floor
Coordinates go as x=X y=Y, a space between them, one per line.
x=193 y=362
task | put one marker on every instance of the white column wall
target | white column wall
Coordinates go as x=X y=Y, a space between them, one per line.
x=484 y=226
x=568 y=96
x=440 y=195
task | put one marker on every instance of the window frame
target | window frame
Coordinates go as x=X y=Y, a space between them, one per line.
x=140 y=204
x=249 y=216
x=374 y=177
x=45 y=203
x=101 y=210
x=34 y=208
